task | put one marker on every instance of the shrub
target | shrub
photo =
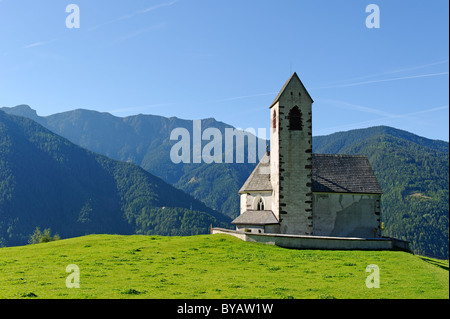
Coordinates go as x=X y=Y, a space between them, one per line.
x=42 y=237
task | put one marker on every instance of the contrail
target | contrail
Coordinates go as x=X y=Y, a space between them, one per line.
x=401 y=70
x=392 y=116
x=37 y=44
x=357 y=107
x=246 y=97
x=132 y=15
x=380 y=81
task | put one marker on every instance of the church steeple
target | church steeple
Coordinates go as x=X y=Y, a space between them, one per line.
x=293 y=77
x=290 y=157
x=278 y=196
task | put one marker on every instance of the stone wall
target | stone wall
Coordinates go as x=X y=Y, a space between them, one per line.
x=318 y=242
x=347 y=215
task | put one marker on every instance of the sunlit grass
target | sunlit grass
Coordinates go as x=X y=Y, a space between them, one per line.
x=211 y=266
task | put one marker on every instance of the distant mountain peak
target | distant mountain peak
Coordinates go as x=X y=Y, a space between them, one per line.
x=21 y=110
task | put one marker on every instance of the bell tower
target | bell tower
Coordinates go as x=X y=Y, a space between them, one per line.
x=291 y=158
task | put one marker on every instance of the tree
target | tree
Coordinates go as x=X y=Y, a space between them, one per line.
x=38 y=237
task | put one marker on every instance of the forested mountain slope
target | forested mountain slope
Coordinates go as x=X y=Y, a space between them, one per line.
x=48 y=182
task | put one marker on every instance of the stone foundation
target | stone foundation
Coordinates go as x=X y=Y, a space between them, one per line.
x=318 y=242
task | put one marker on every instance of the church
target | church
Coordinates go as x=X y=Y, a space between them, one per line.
x=293 y=191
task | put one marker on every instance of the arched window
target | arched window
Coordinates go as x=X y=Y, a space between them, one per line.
x=274 y=119
x=259 y=204
x=295 y=119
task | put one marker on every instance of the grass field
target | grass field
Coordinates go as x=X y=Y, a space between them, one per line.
x=211 y=267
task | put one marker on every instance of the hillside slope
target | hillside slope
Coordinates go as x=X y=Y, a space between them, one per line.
x=145 y=141
x=338 y=142
x=212 y=267
x=48 y=182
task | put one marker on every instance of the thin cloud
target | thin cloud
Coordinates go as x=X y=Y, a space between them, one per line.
x=152 y=8
x=38 y=44
x=245 y=97
x=418 y=67
x=382 y=119
x=439 y=108
x=136 y=33
x=380 y=81
x=134 y=14
x=356 y=107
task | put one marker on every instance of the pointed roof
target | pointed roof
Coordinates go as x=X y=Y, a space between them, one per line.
x=338 y=173
x=293 y=77
x=331 y=173
x=259 y=179
x=256 y=217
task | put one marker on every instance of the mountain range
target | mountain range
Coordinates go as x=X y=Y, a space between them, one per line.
x=412 y=170
x=144 y=140
x=48 y=182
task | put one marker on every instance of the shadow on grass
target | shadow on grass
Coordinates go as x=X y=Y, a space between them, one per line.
x=434 y=262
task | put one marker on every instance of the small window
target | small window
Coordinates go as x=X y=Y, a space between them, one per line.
x=295 y=119
x=260 y=204
x=274 y=119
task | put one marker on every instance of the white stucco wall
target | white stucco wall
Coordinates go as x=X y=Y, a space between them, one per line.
x=248 y=201
x=259 y=229
x=274 y=159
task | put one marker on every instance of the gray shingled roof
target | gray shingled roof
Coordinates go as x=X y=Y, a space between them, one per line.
x=343 y=174
x=256 y=217
x=259 y=180
x=330 y=173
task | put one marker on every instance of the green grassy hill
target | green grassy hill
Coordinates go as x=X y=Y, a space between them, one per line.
x=211 y=266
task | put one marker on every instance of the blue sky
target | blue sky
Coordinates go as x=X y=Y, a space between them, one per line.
x=228 y=59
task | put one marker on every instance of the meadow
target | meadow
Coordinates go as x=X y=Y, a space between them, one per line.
x=211 y=267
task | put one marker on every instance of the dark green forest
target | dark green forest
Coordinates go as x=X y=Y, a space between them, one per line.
x=48 y=182
x=144 y=141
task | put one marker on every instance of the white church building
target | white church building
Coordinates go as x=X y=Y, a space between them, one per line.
x=293 y=191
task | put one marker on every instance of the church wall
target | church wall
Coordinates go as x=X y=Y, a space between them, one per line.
x=251 y=228
x=248 y=200
x=346 y=215
x=259 y=229
x=243 y=203
x=274 y=158
x=272 y=229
